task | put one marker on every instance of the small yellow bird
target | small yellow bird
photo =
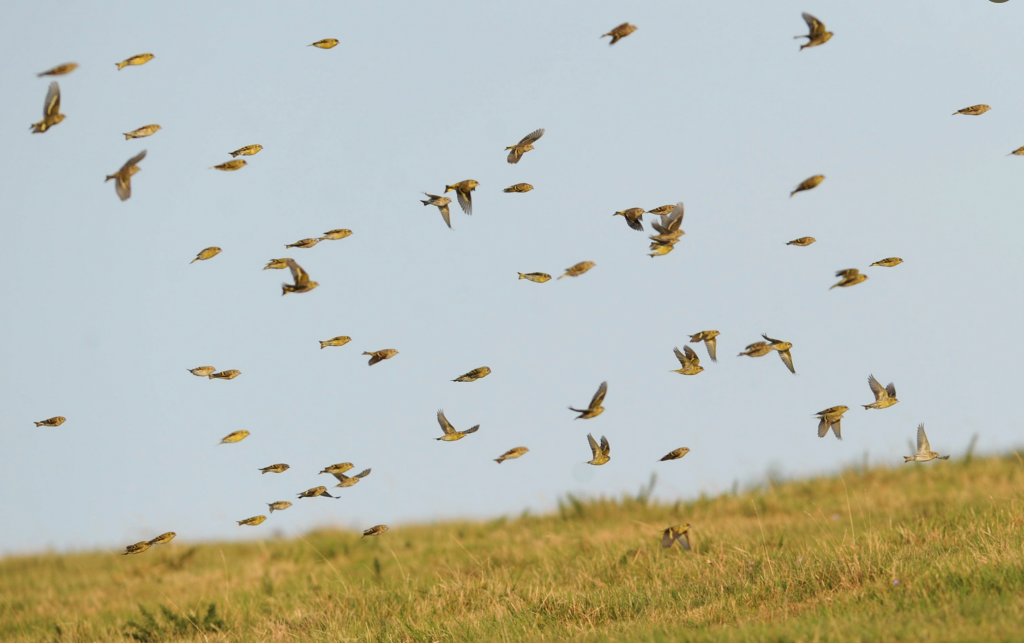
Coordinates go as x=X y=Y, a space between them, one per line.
x=523 y=146
x=973 y=110
x=302 y=283
x=783 y=350
x=924 y=450
x=661 y=249
x=450 y=434
x=689 y=361
x=229 y=374
x=341 y=467
x=474 y=375
x=123 y=184
x=206 y=253
x=340 y=340
x=252 y=522
x=142 y=132
x=809 y=184
x=51 y=110
x=675 y=454
x=337 y=233
x=817 y=35
x=59 y=70
x=276 y=468
x=831 y=418
x=380 y=356
x=891 y=262
x=442 y=204
x=140 y=59
x=601 y=453
x=464 y=193
x=375 y=531
x=757 y=349
x=276 y=264
x=304 y=243
x=578 y=269
x=519 y=187
x=137 y=548
x=235 y=436
x=230 y=166
x=280 y=505
x=536 y=277
x=634 y=218
x=316 y=492
x=345 y=481
x=710 y=342
x=163 y=539
x=884 y=397
x=674 y=534
x=54 y=421
x=594 y=409
x=620 y=32
x=802 y=241
x=248 y=150
x=511 y=454
x=326 y=43
x=202 y=371
x=850 y=277
x=662 y=210
x=1017 y=152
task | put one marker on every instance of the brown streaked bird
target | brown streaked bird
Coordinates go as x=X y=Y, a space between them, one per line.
x=620 y=32
x=230 y=166
x=206 y=253
x=123 y=182
x=163 y=539
x=326 y=43
x=710 y=342
x=1017 y=152
x=817 y=35
x=831 y=418
x=248 y=150
x=276 y=468
x=142 y=132
x=783 y=349
x=345 y=481
x=670 y=222
x=202 y=371
x=380 y=356
x=341 y=467
x=924 y=450
x=674 y=534
x=375 y=530
x=474 y=375
x=602 y=452
x=137 y=548
x=340 y=340
x=675 y=454
x=450 y=434
x=304 y=243
x=316 y=492
x=689 y=361
x=523 y=146
x=442 y=204
x=276 y=264
x=51 y=110
x=890 y=262
x=973 y=110
x=757 y=349
x=235 y=436
x=802 y=241
x=535 y=277
x=302 y=282
x=138 y=59
x=518 y=187
x=594 y=409
x=884 y=397
x=252 y=522
x=54 y=421
x=280 y=505
x=59 y=70
x=511 y=454
x=578 y=269
x=336 y=234
x=464 y=193
x=850 y=277
x=662 y=210
x=808 y=184
x=634 y=218
x=229 y=374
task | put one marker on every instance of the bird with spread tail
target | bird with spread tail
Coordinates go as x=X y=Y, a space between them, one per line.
x=675 y=454
x=689 y=361
x=676 y=534
x=442 y=204
x=594 y=409
x=301 y=277
x=884 y=397
x=123 y=182
x=511 y=454
x=783 y=350
x=620 y=32
x=524 y=145
x=450 y=434
x=831 y=418
x=710 y=342
x=380 y=356
x=464 y=193
x=817 y=35
x=601 y=453
x=924 y=450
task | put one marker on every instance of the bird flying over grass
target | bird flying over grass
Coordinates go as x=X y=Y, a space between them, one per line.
x=602 y=452
x=924 y=450
x=375 y=530
x=884 y=397
x=831 y=418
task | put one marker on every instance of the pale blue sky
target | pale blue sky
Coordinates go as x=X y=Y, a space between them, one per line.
x=707 y=103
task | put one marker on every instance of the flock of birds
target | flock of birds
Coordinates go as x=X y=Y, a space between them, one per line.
x=667 y=224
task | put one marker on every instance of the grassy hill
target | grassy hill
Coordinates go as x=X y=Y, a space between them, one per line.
x=917 y=552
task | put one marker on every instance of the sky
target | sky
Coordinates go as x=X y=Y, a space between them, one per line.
x=711 y=104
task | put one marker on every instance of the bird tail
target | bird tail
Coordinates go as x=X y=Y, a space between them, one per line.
x=424 y=202
x=271 y=508
x=234 y=154
x=263 y=471
x=522 y=276
x=367 y=353
x=110 y=176
x=941 y=457
x=38 y=424
x=127 y=137
x=499 y=460
x=322 y=345
x=866 y=406
x=210 y=376
x=447 y=188
x=906 y=459
x=121 y=66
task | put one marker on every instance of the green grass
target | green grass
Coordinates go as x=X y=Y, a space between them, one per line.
x=929 y=552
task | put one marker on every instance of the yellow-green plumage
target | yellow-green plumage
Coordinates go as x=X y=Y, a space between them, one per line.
x=536 y=277
x=326 y=43
x=334 y=235
x=51 y=110
x=139 y=59
x=163 y=539
x=230 y=166
x=808 y=184
x=345 y=481
x=676 y=534
x=464 y=194
x=688 y=361
x=123 y=177
x=142 y=132
x=341 y=467
x=235 y=436
x=709 y=337
x=137 y=548
x=973 y=110
x=252 y=522
x=276 y=264
x=450 y=434
x=601 y=452
x=202 y=371
x=304 y=243
x=54 y=421
x=280 y=505
x=276 y=468
x=802 y=241
x=474 y=375
x=675 y=454
x=381 y=355
x=519 y=187
x=511 y=454
x=315 y=492
x=891 y=262
x=301 y=277
x=340 y=340
x=59 y=70
x=375 y=530
x=248 y=150
x=578 y=269
x=595 y=407
x=225 y=375
x=206 y=253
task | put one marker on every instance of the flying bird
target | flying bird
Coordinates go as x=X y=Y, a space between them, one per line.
x=633 y=217
x=202 y=371
x=884 y=397
x=301 y=277
x=831 y=418
x=578 y=269
x=474 y=375
x=601 y=452
x=59 y=70
x=230 y=166
x=225 y=375
x=662 y=210
x=689 y=361
x=924 y=450
x=620 y=32
x=442 y=204
x=340 y=340
x=783 y=350
x=303 y=243
x=348 y=481
x=142 y=132
x=710 y=342
x=326 y=43
x=464 y=193
x=891 y=262
x=51 y=110
x=123 y=182
x=315 y=492
x=276 y=468
x=336 y=234
x=594 y=409
x=280 y=505
x=850 y=277
x=675 y=454
x=54 y=421
x=536 y=277
x=276 y=264
x=808 y=184
x=252 y=522
x=518 y=188
x=524 y=145
x=248 y=150
x=341 y=467
x=817 y=35
x=973 y=110
x=757 y=349
x=450 y=434
x=140 y=59
x=381 y=355
x=802 y=241
x=676 y=534
x=235 y=436
x=206 y=253
x=375 y=530
x=163 y=539
x=137 y=548
x=511 y=454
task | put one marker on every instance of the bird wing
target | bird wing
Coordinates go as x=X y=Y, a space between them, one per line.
x=891 y=390
x=300 y=276
x=465 y=200
x=876 y=388
x=815 y=25
x=123 y=185
x=712 y=346
x=593 y=445
x=52 y=104
x=680 y=357
x=446 y=213
x=922 y=440
x=133 y=161
x=836 y=426
x=667 y=538
x=822 y=428
x=446 y=426
x=675 y=219
x=770 y=340
x=605 y=447
x=787 y=359
x=532 y=137
x=636 y=224
x=341 y=477
x=685 y=540
x=362 y=474
x=599 y=396
x=515 y=155
x=691 y=355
